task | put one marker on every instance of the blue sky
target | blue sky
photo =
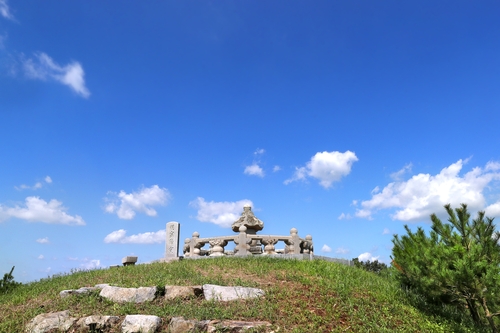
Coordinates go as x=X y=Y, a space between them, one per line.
x=343 y=119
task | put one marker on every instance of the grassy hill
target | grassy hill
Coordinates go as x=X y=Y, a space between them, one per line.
x=301 y=296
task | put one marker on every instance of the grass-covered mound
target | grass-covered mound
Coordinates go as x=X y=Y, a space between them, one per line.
x=301 y=296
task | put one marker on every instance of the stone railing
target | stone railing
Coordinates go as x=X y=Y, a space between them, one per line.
x=247 y=244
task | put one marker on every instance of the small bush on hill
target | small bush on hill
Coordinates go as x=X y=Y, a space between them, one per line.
x=7 y=284
x=370 y=266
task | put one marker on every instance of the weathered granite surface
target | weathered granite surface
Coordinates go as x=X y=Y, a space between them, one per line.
x=140 y=324
x=172 y=292
x=123 y=295
x=234 y=326
x=220 y=293
x=249 y=220
x=97 y=323
x=181 y=325
x=60 y=321
x=83 y=290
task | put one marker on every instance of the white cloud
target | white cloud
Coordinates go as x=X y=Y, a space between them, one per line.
x=42 y=67
x=327 y=167
x=367 y=256
x=125 y=205
x=120 y=236
x=5 y=11
x=398 y=175
x=326 y=249
x=90 y=264
x=276 y=168
x=345 y=216
x=386 y=231
x=41 y=257
x=254 y=170
x=493 y=210
x=39 y=210
x=259 y=151
x=44 y=240
x=37 y=185
x=221 y=213
x=342 y=250
x=423 y=194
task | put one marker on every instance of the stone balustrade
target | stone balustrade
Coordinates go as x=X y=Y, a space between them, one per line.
x=247 y=243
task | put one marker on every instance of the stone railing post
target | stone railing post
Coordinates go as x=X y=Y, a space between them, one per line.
x=193 y=250
x=307 y=245
x=293 y=244
x=242 y=241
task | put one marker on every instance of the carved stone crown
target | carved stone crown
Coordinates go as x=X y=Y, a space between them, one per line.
x=248 y=219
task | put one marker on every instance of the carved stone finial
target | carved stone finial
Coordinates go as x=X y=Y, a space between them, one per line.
x=248 y=219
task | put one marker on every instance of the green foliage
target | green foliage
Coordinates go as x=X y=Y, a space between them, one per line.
x=370 y=266
x=301 y=297
x=7 y=284
x=457 y=264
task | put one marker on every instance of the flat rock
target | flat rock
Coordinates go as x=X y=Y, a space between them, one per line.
x=234 y=326
x=83 y=290
x=93 y=323
x=220 y=293
x=140 y=324
x=101 y=285
x=60 y=321
x=123 y=295
x=172 y=292
x=181 y=325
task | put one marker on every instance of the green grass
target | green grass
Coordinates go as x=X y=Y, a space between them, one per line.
x=301 y=296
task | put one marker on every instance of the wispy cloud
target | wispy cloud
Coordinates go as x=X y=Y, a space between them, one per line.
x=37 y=185
x=423 y=194
x=342 y=250
x=125 y=205
x=386 y=232
x=221 y=213
x=276 y=168
x=120 y=236
x=39 y=210
x=254 y=170
x=42 y=67
x=5 y=11
x=344 y=216
x=44 y=240
x=398 y=175
x=41 y=257
x=327 y=167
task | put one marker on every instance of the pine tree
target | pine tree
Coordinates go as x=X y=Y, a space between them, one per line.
x=458 y=263
x=7 y=284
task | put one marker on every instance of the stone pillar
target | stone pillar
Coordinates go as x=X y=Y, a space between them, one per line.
x=172 y=241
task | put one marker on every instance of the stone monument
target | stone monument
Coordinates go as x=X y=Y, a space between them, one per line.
x=172 y=240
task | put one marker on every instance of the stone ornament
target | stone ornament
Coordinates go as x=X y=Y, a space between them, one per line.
x=248 y=242
x=248 y=219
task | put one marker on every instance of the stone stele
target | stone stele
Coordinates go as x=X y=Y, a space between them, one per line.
x=172 y=240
